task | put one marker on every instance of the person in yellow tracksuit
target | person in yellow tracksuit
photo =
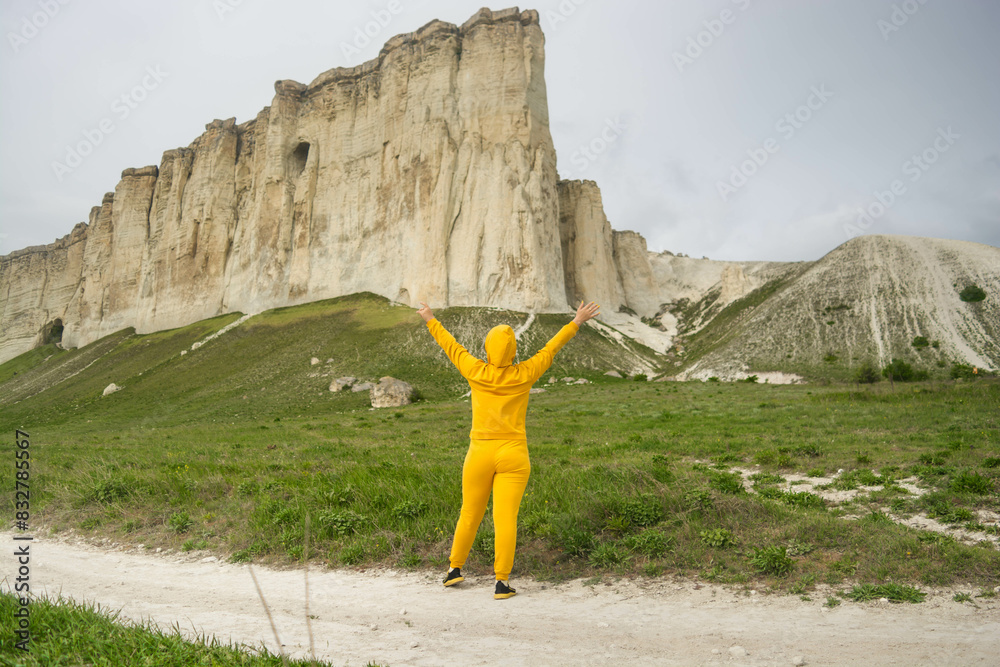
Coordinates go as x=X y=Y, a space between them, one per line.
x=497 y=460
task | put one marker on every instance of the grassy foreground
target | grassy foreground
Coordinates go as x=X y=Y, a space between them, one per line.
x=231 y=446
x=66 y=634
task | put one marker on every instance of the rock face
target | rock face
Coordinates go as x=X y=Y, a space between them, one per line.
x=427 y=173
x=866 y=301
x=391 y=393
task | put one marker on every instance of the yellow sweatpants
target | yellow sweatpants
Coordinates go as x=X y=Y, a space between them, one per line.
x=500 y=466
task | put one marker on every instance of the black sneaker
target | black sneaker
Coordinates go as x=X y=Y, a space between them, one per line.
x=503 y=591
x=453 y=577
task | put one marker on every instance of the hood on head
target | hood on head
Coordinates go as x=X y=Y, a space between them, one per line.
x=500 y=345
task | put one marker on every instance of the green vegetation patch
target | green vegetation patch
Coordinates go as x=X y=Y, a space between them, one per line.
x=66 y=633
x=235 y=446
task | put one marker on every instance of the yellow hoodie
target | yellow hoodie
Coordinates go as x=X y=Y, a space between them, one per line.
x=499 y=389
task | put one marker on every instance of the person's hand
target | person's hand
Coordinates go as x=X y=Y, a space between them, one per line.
x=425 y=312
x=586 y=311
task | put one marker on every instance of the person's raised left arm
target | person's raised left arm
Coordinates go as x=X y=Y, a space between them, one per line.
x=540 y=362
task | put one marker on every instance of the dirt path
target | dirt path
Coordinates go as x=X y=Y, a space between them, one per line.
x=399 y=618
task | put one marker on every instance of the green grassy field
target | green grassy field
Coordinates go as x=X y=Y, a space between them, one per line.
x=231 y=446
x=66 y=634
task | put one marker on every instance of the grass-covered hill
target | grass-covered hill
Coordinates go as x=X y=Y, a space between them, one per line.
x=262 y=367
x=929 y=302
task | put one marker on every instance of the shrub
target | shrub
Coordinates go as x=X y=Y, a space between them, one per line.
x=772 y=560
x=643 y=513
x=972 y=294
x=726 y=482
x=807 y=449
x=352 y=554
x=650 y=543
x=766 y=478
x=641 y=377
x=894 y=593
x=769 y=492
x=575 y=541
x=717 y=537
x=246 y=555
x=962 y=371
x=898 y=370
x=698 y=499
x=971 y=482
x=752 y=379
x=409 y=509
x=341 y=523
x=109 y=490
x=179 y=522
x=830 y=358
x=765 y=457
x=920 y=342
x=945 y=508
x=607 y=555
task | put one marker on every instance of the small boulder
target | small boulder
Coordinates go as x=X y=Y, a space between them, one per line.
x=110 y=389
x=567 y=380
x=340 y=384
x=313 y=361
x=552 y=380
x=363 y=386
x=737 y=651
x=798 y=661
x=536 y=390
x=391 y=393
x=581 y=381
x=614 y=374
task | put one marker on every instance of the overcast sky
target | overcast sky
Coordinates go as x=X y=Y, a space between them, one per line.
x=733 y=129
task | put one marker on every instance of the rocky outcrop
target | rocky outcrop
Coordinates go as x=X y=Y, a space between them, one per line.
x=588 y=246
x=427 y=173
x=342 y=383
x=865 y=301
x=632 y=260
x=391 y=393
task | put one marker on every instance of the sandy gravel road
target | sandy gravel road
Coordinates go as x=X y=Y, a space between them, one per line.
x=402 y=618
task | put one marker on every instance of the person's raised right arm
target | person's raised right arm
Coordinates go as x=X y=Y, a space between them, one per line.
x=464 y=362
